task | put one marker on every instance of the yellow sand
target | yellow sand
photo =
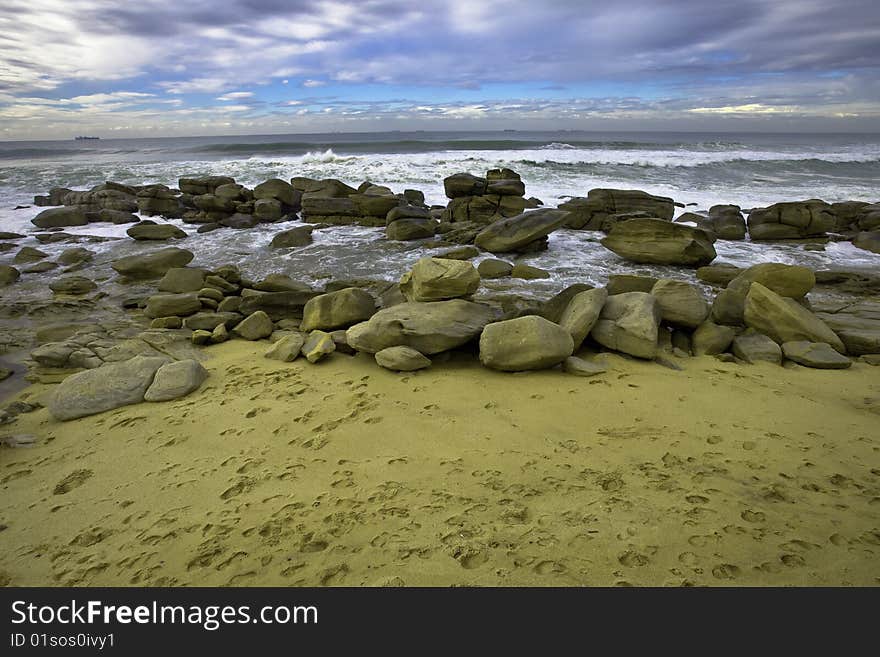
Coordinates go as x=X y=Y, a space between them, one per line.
x=345 y=474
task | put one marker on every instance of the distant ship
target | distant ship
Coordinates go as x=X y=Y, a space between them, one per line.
x=84 y=138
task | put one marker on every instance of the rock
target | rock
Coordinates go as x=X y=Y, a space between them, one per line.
x=407 y=212
x=620 y=283
x=329 y=188
x=116 y=216
x=8 y=275
x=175 y=380
x=527 y=272
x=785 y=320
x=219 y=334
x=41 y=267
x=792 y=220
x=210 y=293
x=525 y=343
x=230 y=305
x=815 y=354
x=295 y=237
x=753 y=347
x=791 y=281
x=268 y=210
x=6 y=235
x=172 y=322
x=74 y=256
x=710 y=339
x=104 y=388
x=73 y=285
x=152 y=265
x=464 y=184
x=553 y=308
x=240 y=221
x=580 y=367
x=681 y=304
x=410 y=228
x=629 y=323
x=281 y=283
x=58 y=217
x=287 y=348
x=318 y=345
x=492 y=268
x=402 y=359
x=182 y=279
x=658 y=242
x=426 y=327
x=603 y=208
x=278 y=305
x=581 y=314
x=341 y=342
x=857 y=324
x=255 y=326
x=720 y=274
x=515 y=233
x=165 y=305
x=460 y=253
x=435 y=279
x=203 y=185
x=201 y=337
x=727 y=222
x=152 y=231
x=29 y=254
x=338 y=309
x=279 y=190
x=204 y=321
x=868 y=240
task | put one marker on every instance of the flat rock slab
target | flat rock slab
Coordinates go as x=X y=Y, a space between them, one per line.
x=815 y=354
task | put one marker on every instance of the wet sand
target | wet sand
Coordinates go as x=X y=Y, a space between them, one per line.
x=345 y=474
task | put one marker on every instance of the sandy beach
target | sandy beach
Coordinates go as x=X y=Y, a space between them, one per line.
x=342 y=473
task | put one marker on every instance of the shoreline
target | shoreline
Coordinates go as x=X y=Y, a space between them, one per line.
x=342 y=473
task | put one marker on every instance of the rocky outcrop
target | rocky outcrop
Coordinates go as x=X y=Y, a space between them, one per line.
x=657 y=242
x=166 y=305
x=159 y=200
x=792 y=281
x=868 y=240
x=104 y=388
x=429 y=328
x=409 y=222
x=402 y=359
x=435 y=279
x=332 y=202
x=794 y=220
x=629 y=323
x=520 y=231
x=525 y=343
x=482 y=201
x=338 y=309
x=281 y=191
x=203 y=185
x=73 y=285
x=175 y=380
x=152 y=265
x=785 y=320
x=602 y=209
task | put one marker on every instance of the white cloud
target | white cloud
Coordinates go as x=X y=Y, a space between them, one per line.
x=236 y=95
x=313 y=83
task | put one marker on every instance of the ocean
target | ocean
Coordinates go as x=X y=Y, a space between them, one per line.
x=698 y=169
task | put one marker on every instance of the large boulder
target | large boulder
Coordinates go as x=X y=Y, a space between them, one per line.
x=58 y=217
x=410 y=228
x=153 y=231
x=317 y=346
x=338 y=309
x=868 y=241
x=287 y=348
x=525 y=343
x=815 y=354
x=602 y=209
x=792 y=281
x=753 y=347
x=279 y=190
x=166 y=305
x=857 y=324
x=658 y=242
x=402 y=359
x=104 y=388
x=792 y=220
x=629 y=323
x=681 y=304
x=328 y=188
x=514 y=233
x=581 y=314
x=727 y=222
x=426 y=327
x=255 y=326
x=435 y=279
x=8 y=274
x=295 y=237
x=710 y=339
x=208 y=321
x=784 y=319
x=464 y=184
x=152 y=265
x=182 y=279
x=73 y=285
x=175 y=380
x=268 y=210
x=203 y=185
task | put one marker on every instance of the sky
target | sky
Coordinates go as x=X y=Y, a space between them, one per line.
x=118 y=68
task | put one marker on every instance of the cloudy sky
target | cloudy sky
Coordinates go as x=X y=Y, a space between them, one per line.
x=200 y=67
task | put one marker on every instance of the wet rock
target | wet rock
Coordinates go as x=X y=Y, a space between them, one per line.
x=720 y=274
x=152 y=265
x=281 y=191
x=857 y=324
x=711 y=339
x=868 y=240
x=153 y=231
x=29 y=254
x=182 y=279
x=175 y=380
x=464 y=184
x=74 y=256
x=791 y=220
x=72 y=285
x=203 y=184
x=493 y=268
x=602 y=209
x=727 y=222
x=410 y=228
x=8 y=275
x=208 y=321
x=295 y=237
x=517 y=232
x=56 y=217
x=165 y=305
x=620 y=283
x=527 y=272
x=278 y=305
x=658 y=242
x=426 y=327
x=104 y=388
x=172 y=322
x=402 y=359
x=525 y=343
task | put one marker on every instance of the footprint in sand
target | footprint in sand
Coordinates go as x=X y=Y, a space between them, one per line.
x=726 y=571
x=74 y=480
x=753 y=516
x=632 y=559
